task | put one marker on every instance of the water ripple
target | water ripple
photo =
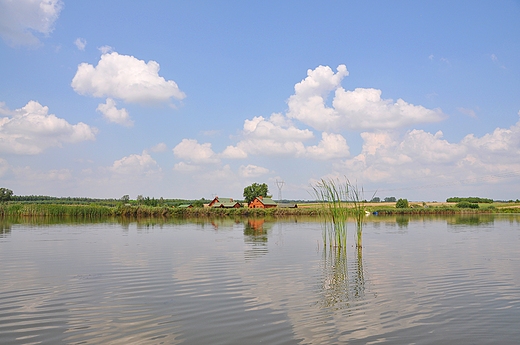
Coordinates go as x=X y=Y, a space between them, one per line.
x=193 y=284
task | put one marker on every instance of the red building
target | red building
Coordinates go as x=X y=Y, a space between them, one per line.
x=261 y=202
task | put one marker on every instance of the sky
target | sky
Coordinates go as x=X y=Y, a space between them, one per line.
x=193 y=99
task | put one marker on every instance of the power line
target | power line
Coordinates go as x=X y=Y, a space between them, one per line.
x=279 y=184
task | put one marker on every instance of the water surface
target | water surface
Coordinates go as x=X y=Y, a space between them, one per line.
x=423 y=280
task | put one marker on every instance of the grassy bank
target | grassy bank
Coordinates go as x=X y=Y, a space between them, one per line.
x=96 y=211
x=53 y=210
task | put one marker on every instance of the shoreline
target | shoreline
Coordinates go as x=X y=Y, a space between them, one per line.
x=96 y=211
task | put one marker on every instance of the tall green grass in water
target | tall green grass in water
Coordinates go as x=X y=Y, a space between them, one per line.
x=333 y=196
x=340 y=201
x=358 y=210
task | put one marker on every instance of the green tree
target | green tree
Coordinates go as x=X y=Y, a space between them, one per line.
x=125 y=198
x=401 y=203
x=390 y=199
x=255 y=190
x=198 y=203
x=5 y=194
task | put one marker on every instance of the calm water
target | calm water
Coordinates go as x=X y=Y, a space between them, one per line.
x=445 y=280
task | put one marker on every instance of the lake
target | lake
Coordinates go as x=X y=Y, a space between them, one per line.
x=417 y=280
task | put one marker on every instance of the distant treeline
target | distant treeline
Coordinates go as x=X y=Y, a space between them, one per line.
x=470 y=199
x=58 y=200
x=147 y=201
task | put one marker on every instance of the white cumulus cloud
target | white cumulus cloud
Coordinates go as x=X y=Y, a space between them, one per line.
x=112 y=114
x=331 y=146
x=361 y=109
x=274 y=128
x=273 y=136
x=135 y=164
x=388 y=158
x=31 y=129
x=500 y=146
x=233 y=152
x=430 y=148
x=127 y=78
x=193 y=152
x=252 y=171
x=21 y=19
x=277 y=136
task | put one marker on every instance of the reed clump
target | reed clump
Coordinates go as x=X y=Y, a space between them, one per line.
x=358 y=210
x=340 y=200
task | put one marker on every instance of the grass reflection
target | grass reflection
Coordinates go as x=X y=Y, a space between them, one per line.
x=5 y=228
x=341 y=284
x=402 y=221
x=472 y=220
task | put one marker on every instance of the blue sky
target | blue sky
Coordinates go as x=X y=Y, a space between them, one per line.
x=191 y=99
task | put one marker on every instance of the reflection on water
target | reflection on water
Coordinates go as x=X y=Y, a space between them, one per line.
x=402 y=221
x=5 y=228
x=471 y=219
x=425 y=279
x=255 y=230
x=342 y=284
x=256 y=235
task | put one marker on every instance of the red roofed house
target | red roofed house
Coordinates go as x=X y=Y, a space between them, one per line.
x=261 y=202
x=224 y=203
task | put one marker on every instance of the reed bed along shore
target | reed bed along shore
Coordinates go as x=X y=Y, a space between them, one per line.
x=53 y=210
x=97 y=211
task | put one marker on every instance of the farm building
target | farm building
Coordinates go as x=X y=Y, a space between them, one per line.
x=287 y=205
x=224 y=203
x=261 y=202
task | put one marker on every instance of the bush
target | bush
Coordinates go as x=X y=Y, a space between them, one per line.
x=467 y=204
x=401 y=203
x=473 y=199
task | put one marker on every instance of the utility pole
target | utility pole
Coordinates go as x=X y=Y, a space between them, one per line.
x=279 y=184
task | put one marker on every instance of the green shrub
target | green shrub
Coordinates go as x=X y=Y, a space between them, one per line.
x=401 y=203
x=472 y=199
x=467 y=204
